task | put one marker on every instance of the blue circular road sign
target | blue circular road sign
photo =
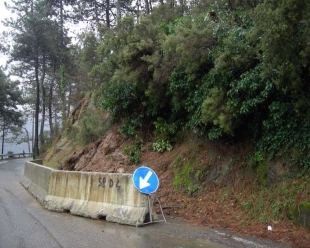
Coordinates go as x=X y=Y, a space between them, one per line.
x=145 y=180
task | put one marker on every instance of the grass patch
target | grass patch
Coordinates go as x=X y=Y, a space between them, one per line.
x=265 y=204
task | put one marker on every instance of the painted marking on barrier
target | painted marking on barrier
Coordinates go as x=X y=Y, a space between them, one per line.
x=103 y=182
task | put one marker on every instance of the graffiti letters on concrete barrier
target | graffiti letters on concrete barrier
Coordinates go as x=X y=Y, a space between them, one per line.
x=108 y=182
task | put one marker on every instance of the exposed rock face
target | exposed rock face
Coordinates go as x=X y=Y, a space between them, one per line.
x=103 y=155
x=277 y=170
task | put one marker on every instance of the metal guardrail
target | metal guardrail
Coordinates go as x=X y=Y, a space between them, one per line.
x=16 y=155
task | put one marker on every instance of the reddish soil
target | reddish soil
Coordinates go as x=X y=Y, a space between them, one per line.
x=210 y=206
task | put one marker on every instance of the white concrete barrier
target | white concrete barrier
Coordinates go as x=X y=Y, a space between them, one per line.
x=36 y=180
x=89 y=194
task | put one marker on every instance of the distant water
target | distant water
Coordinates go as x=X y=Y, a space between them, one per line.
x=16 y=148
x=13 y=147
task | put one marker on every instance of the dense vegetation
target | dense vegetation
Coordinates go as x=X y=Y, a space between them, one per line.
x=224 y=69
x=228 y=69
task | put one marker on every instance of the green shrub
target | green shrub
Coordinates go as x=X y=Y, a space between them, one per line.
x=162 y=145
x=165 y=133
x=118 y=98
x=285 y=133
x=134 y=151
x=130 y=126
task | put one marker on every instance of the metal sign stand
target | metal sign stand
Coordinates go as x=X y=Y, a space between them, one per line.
x=146 y=181
x=150 y=208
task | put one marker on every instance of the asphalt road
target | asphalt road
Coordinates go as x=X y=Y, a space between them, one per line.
x=24 y=223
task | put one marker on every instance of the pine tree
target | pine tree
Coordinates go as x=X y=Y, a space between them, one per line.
x=10 y=98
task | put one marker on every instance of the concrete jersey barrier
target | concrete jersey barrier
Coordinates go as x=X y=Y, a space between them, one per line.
x=90 y=194
x=36 y=180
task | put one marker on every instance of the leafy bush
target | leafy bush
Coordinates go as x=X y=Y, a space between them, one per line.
x=118 y=98
x=133 y=151
x=162 y=145
x=130 y=125
x=165 y=133
x=286 y=133
x=216 y=111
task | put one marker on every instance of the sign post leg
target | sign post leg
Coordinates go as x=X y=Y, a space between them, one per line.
x=150 y=208
x=161 y=209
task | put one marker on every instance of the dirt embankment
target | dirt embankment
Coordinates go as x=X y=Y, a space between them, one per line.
x=203 y=182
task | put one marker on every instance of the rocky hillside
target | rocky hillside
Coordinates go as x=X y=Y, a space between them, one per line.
x=215 y=184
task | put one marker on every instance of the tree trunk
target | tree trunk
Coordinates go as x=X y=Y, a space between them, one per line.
x=107 y=13
x=37 y=105
x=69 y=101
x=43 y=97
x=138 y=10
x=50 y=106
x=32 y=132
x=28 y=139
x=171 y=3
x=3 y=134
x=183 y=4
x=62 y=67
x=118 y=6
x=147 y=7
x=56 y=123
x=61 y=31
x=63 y=94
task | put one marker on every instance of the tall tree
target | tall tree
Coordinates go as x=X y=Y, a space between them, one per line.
x=10 y=97
x=33 y=50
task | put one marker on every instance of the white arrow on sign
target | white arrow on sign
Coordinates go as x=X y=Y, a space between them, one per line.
x=143 y=182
